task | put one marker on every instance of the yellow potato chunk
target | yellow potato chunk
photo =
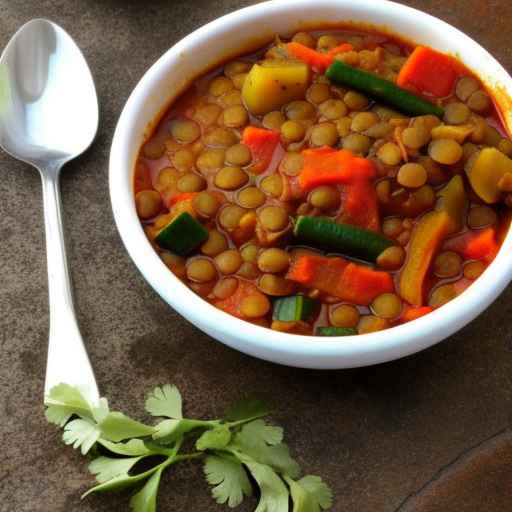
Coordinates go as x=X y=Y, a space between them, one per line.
x=272 y=83
x=486 y=172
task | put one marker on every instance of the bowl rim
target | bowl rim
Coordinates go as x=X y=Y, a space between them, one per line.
x=262 y=342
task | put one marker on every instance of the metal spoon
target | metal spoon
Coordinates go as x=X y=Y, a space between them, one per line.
x=48 y=116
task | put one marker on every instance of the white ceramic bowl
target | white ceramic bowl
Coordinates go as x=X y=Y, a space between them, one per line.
x=227 y=37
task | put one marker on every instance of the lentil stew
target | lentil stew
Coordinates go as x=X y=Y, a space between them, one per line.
x=335 y=183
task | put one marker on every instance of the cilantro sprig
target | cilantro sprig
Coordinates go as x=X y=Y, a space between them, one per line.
x=233 y=449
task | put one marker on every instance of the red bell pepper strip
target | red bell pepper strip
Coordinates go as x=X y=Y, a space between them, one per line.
x=474 y=245
x=338 y=277
x=262 y=144
x=360 y=205
x=184 y=196
x=232 y=304
x=317 y=60
x=342 y=48
x=428 y=72
x=327 y=166
x=410 y=313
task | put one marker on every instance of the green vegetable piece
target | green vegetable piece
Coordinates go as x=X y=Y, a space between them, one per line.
x=182 y=235
x=381 y=89
x=335 y=331
x=344 y=238
x=294 y=308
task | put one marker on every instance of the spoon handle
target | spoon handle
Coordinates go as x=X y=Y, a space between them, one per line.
x=67 y=358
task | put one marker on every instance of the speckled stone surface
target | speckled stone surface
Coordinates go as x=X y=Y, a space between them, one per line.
x=377 y=435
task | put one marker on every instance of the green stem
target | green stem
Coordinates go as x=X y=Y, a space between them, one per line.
x=188 y=456
x=246 y=420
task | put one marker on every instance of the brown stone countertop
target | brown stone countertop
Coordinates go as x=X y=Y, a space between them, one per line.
x=435 y=423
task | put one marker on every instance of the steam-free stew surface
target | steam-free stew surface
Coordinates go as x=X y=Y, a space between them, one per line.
x=306 y=206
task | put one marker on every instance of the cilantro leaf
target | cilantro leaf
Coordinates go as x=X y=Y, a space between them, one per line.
x=64 y=401
x=319 y=489
x=119 y=482
x=132 y=448
x=116 y=427
x=145 y=499
x=165 y=401
x=100 y=412
x=310 y=494
x=215 y=439
x=81 y=433
x=247 y=409
x=124 y=480
x=274 y=495
x=257 y=433
x=229 y=478
x=279 y=458
x=262 y=443
x=106 y=468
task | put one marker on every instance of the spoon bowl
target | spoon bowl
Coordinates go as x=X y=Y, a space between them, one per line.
x=48 y=116
x=49 y=107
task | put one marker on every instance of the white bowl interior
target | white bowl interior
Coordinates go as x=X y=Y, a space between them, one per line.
x=230 y=36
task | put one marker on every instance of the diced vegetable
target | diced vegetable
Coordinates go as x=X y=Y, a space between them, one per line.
x=317 y=60
x=182 y=206
x=475 y=245
x=350 y=240
x=327 y=166
x=291 y=327
x=410 y=313
x=428 y=72
x=272 y=83
x=294 y=308
x=381 y=89
x=262 y=144
x=453 y=201
x=426 y=239
x=457 y=133
x=182 y=235
x=338 y=277
x=336 y=331
x=484 y=175
x=184 y=196
x=360 y=205
x=342 y=48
